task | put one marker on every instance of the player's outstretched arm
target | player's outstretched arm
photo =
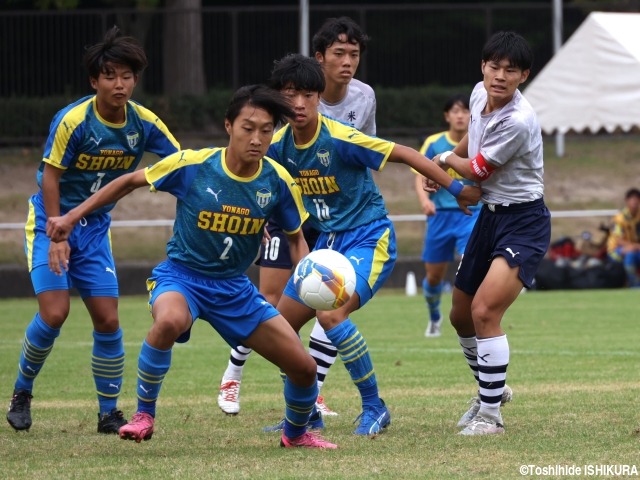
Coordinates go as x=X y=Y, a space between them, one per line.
x=59 y=228
x=466 y=195
x=476 y=169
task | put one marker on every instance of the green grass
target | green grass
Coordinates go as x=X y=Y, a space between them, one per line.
x=573 y=369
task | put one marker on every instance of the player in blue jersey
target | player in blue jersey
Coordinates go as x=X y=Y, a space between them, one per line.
x=332 y=163
x=448 y=228
x=224 y=198
x=338 y=46
x=91 y=142
x=503 y=153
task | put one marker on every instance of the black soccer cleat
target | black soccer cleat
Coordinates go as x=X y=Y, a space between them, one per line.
x=111 y=422
x=19 y=414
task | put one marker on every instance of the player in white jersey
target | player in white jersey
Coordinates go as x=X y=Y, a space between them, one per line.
x=338 y=46
x=503 y=153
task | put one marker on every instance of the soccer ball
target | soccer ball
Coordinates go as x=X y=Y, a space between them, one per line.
x=324 y=279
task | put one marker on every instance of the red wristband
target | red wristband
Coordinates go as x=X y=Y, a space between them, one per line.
x=480 y=167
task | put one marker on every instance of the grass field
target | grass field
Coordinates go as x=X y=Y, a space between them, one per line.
x=573 y=369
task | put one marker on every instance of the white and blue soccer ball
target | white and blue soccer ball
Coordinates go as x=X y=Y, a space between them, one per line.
x=325 y=279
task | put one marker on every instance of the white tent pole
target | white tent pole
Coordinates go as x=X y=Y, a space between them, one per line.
x=304 y=27
x=557 y=43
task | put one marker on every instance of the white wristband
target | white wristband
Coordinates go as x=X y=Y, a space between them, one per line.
x=443 y=157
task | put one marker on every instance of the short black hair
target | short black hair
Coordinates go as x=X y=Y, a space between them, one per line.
x=460 y=98
x=331 y=30
x=114 y=49
x=632 y=192
x=304 y=73
x=259 y=96
x=509 y=46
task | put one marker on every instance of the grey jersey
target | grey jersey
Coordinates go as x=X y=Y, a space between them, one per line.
x=508 y=138
x=357 y=108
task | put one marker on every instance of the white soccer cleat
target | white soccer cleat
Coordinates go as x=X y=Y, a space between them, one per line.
x=507 y=396
x=434 y=329
x=322 y=407
x=483 y=425
x=229 y=397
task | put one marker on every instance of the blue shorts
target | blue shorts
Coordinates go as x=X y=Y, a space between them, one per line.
x=371 y=249
x=520 y=233
x=447 y=233
x=232 y=306
x=276 y=254
x=91 y=266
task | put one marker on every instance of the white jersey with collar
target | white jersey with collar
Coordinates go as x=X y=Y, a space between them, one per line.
x=509 y=139
x=357 y=108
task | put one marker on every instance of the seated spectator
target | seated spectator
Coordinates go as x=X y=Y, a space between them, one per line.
x=624 y=240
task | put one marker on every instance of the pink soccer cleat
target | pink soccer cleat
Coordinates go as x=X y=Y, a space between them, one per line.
x=306 y=440
x=139 y=428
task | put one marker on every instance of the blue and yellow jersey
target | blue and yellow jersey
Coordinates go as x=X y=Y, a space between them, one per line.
x=625 y=227
x=220 y=217
x=432 y=146
x=333 y=172
x=93 y=152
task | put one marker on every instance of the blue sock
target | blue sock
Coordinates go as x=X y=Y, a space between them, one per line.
x=299 y=402
x=153 y=365
x=107 y=365
x=353 y=350
x=432 y=295
x=37 y=344
x=630 y=262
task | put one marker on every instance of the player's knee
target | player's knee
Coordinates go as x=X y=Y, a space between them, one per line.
x=330 y=318
x=169 y=328
x=107 y=324
x=54 y=315
x=463 y=324
x=303 y=373
x=483 y=315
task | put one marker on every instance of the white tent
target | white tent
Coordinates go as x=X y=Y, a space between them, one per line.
x=593 y=82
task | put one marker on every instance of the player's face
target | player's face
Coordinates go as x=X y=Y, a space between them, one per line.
x=458 y=118
x=633 y=204
x=340 y=61
x=305 y=105
x=250 y=135
x=114 y=87
x=501 y=81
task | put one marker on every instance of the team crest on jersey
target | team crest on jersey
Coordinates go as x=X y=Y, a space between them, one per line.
x=263 y=197
x=324 y=157
x=133 y=138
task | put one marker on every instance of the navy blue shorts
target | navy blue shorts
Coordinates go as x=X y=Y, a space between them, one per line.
x=276 y=254
x=520 y=233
